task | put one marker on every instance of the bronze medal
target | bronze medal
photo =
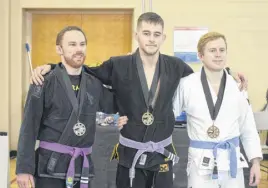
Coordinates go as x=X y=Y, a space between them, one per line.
x=213 y=131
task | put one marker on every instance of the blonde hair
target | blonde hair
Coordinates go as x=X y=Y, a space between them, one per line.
x=210 y=36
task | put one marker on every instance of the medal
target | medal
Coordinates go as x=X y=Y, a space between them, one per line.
x=79 y=129
x=149 y=94
x=147 y=118
x=213 y=131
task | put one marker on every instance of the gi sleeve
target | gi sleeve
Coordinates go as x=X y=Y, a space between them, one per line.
x=107 y=101
x=249 y=135
x=33 y=111
x=102 y=72
x=179 y=99
x=187 y=70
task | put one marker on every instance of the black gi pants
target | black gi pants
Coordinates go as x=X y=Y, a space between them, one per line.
x=145 y=178
x=41 y=182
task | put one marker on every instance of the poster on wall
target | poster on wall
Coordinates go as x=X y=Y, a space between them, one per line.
x=185 y=43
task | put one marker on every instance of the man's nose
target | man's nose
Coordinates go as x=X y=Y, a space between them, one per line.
x=218 y=53
x=152 y=38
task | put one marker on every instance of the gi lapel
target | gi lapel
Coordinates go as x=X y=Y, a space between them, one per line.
x=149 y=94
x=68 y=133
x=160 y=93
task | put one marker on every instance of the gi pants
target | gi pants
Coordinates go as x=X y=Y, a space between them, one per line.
x=41 y=182
x=163 y=178
x=224 y=180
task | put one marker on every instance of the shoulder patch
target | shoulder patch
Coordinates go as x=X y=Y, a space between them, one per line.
x=37 y=91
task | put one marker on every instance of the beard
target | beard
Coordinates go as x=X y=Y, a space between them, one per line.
x=74 y=62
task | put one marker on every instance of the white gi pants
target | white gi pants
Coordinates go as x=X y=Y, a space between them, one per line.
x=224 y=181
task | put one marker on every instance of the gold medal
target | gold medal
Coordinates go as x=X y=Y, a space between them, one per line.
x=147 y=118
x=213 y=131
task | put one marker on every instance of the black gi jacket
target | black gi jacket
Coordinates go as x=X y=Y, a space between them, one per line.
x=121 y=73
x=48 y=116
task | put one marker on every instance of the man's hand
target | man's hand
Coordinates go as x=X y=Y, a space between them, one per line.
x=37 y=75
x=122 y=120
x=240 y=78
x=255 y=173
x=23 y=181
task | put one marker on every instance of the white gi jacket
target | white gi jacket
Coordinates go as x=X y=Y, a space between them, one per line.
x=235 y=119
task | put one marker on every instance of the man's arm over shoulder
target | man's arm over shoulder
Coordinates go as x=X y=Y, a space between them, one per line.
x=103 y=72
x=184 y=67
x=187 y=70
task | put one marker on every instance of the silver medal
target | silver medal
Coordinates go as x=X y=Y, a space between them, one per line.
x=79 y=129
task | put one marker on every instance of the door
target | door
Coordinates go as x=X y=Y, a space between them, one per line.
x=108 y=34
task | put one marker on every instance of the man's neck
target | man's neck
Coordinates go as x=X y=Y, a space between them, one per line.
x=149 y=60
x=214 y=77
x=72 y=71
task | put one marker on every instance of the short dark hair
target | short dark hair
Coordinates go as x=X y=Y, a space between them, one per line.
x=66 y=29
x=150 y=17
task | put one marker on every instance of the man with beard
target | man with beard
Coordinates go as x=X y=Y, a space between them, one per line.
x=61 y=114
x=144 y=84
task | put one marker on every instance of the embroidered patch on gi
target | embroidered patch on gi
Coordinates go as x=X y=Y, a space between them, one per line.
x=143 y=159
x=164 y=168
x=69 y=181
x=37 y=91
x=90 y=98
x=52 y=163
x=205 y=161
x=115 y=154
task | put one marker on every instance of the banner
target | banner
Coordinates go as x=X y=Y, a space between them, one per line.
x=185 y=43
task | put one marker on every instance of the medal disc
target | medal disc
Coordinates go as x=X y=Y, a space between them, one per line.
x=79 y=129
x=147 y=118
x=213 y=131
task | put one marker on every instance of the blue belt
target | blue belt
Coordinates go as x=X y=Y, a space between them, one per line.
x=230 y=145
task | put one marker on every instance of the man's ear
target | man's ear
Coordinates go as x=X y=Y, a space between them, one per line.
x=164 y=37
x=136 y=35
x=200 y=56
x=59 y=50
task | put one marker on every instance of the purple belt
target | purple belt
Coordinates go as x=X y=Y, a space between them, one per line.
x=150 y=146
x=74 y=152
